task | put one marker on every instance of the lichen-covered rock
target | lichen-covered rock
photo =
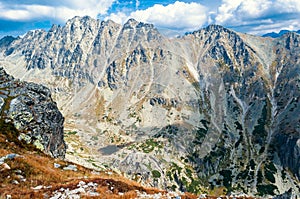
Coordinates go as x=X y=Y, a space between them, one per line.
x=34 y=114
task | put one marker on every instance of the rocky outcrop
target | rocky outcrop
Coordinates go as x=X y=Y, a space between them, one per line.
x=30 y=108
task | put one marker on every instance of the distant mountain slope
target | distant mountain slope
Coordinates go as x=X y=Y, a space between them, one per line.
x=212 y=110
x=276 y=35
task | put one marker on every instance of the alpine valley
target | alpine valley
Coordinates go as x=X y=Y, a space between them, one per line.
x=212 y=111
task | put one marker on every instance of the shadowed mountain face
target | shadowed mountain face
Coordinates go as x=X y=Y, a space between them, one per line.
x=214 y=108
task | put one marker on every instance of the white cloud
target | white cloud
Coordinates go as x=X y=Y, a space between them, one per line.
x=93 y=6
x=119 y=17
x=226 y=10
x=26 y=12
x=67 y=10
x=238 y=11
x=178 y=16
x=260 y=16
x=288 y=6
x=275 y=27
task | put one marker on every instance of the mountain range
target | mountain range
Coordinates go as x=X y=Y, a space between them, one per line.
x=212 y=111
x=279 y=34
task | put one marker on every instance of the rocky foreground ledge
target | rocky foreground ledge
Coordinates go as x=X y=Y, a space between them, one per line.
x=30 y=108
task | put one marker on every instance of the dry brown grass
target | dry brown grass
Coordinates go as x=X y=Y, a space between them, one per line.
x=38 y=169
x=188 y=196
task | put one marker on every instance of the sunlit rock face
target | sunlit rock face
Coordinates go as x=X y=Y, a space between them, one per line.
x=214 y=108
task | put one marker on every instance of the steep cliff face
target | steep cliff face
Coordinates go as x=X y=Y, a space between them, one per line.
x=31 y=110
x=252 y=99
x=214 y=108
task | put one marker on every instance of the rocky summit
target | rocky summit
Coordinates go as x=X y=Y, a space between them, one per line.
x=212 y=111
x=31 y=110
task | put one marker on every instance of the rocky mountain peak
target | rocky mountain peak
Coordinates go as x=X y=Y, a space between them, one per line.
x=80 y=25
x=130 y=24
x=109 y=23
x=217 y=28
x=141 y=28
x=83 y=20
x=216 y=33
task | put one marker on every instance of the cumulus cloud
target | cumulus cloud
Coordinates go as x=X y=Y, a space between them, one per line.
x=178 y=16
x=119 y=17
x=42 y=9
x=261 y=29
x=260 y=15
x=287 y=6
x=26 y=12
x=232 y=11
x=239 y=11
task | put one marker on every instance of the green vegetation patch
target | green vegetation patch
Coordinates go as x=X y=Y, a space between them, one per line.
x=270 y=170
x=266 y=189
x=72 y=133
x=227 y=180
x=259 y=133
x=194 y=187
x=271 y=167
x=269 y=176
x=156 y=174
x=149 y=145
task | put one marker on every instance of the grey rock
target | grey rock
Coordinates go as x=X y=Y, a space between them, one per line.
x=18 y=171
x=8 y=196
x=39 y=187
x=1 y=103
x=70 y=168
x=15 y=182
x=11 y=156
x=2 y=160
x=81 y=183
x=32 y=110
x=8 y=156
x=83 y=189
x=56 y=165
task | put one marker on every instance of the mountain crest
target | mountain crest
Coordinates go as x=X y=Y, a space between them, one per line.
x=218 y=28
x=131 y=23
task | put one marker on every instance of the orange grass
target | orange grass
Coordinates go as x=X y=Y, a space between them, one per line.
x=38 y=169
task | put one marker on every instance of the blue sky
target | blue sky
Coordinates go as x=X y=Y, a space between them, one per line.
x=170 y=17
